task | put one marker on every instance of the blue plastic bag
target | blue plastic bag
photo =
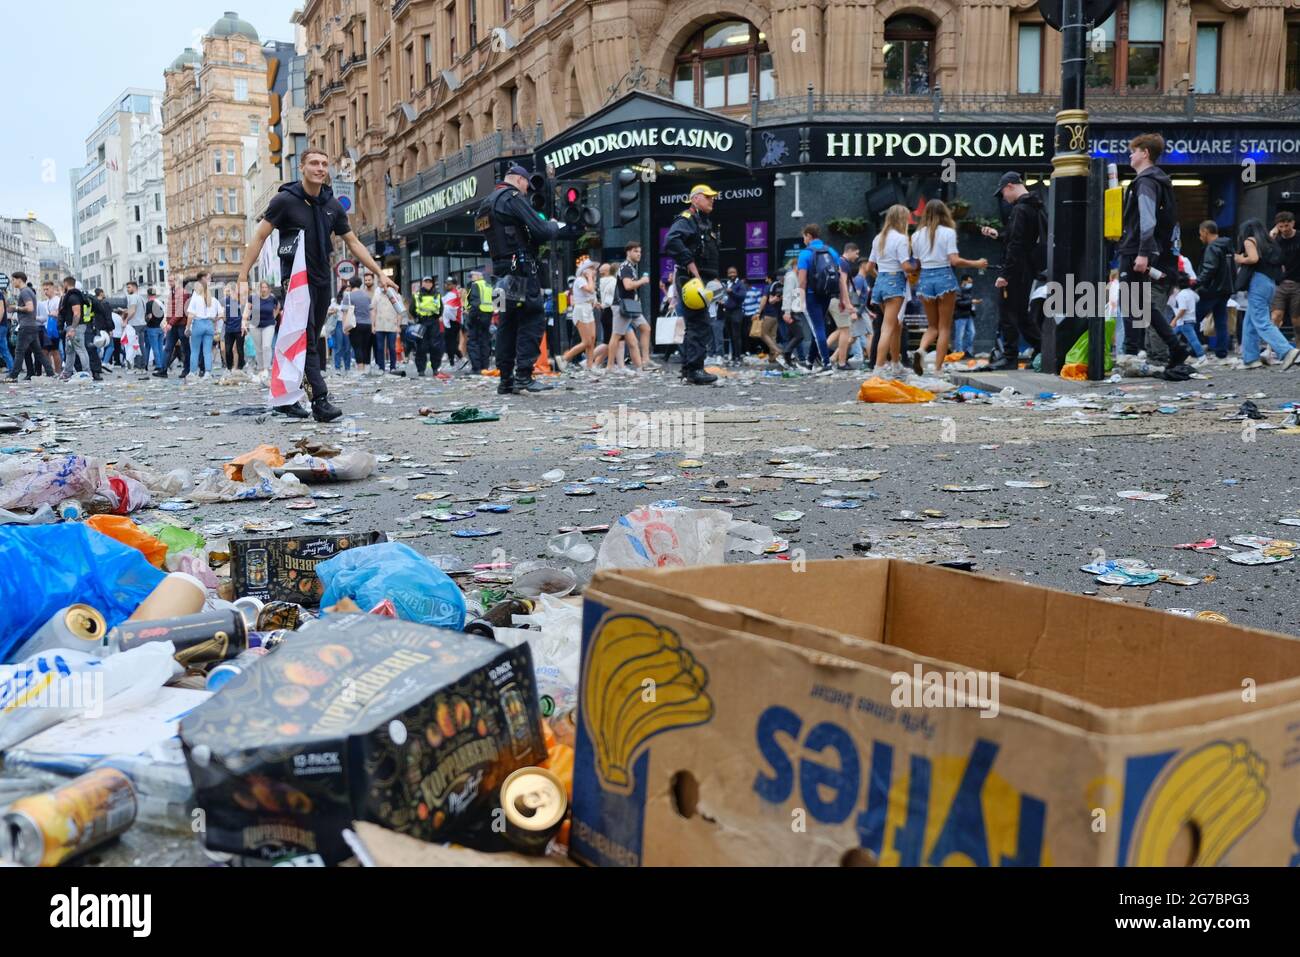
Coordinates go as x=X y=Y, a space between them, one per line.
x=420 y=590
x=48 y=567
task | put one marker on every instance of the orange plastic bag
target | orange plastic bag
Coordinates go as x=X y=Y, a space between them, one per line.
x=263 y=453
x=1076 y=371
x=127 y=532
x=877 y=389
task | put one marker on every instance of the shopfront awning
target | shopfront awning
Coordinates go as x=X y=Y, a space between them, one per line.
x=644 y=126
x=457 y=196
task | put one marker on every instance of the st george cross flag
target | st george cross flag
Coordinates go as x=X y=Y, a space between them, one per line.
x=130 y=344
x=291 y=345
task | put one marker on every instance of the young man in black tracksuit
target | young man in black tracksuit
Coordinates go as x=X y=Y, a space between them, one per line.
x=1023 y=261
x=1146 y=251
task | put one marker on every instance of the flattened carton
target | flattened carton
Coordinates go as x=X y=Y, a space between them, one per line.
x=751 y=715
x=284 y=569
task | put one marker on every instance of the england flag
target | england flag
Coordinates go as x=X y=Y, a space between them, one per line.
x=291 y=345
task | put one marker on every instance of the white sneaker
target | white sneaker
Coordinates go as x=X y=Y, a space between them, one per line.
x=1290 y=358
x=1257 y=364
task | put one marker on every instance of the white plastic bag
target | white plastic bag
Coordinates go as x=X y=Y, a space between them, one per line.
x=557 y=651
x=55 y=685
x=665 y=538
x=348 y=467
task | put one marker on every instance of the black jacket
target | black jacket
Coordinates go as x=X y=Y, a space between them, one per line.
x=691 y=239
x=1024 y=258
x=515 y=226
x=1151 y=220
x=1216 y=276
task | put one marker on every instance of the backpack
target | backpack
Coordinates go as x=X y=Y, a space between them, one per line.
x=824 y=276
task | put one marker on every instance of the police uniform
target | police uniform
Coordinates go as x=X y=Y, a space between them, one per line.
x=428 y=347
x=513 y=230
x=693 y=239
x=477 y=320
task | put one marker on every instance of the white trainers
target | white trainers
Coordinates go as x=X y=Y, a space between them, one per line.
x=1290 y=358
x=1257 y=364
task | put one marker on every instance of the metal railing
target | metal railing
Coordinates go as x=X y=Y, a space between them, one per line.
x=493 y=146
x=1013 y=106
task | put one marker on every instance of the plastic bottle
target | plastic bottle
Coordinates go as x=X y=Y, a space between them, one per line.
x=571 y=545
x=71 y=510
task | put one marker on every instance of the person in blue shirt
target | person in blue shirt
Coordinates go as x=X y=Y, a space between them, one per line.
x=813 y=273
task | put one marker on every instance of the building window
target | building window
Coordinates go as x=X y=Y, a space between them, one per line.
x=221 y=254
x=514 y=107
x=241 y=90
x=240 y=57
x=219 y=202
x=473 y=24
x=1293 y=58
x=1207 y=58
x=451 y=31
x=909 y=42
x=203 y=249
x=137 y=214
x=217 y=161
x=410 y=70
x=159 y=240
x=722 y=65
x=1125 y=52
x=233 y=201
x=254 y=126
x=139 y=244
x=221 y=234
x=157 y=202
x=230 y=161
x=1030 y=60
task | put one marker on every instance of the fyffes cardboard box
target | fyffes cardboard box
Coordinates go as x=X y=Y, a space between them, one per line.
x=754 y=715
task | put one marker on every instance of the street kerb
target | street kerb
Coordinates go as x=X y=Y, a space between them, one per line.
x=1122 y=736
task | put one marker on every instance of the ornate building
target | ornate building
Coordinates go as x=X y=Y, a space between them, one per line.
x=215 y=113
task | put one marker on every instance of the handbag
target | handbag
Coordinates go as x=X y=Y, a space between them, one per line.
x=756 y=327
x=349 y=315
x=1244 y=275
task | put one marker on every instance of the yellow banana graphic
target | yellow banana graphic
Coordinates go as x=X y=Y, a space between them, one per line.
x=1219 y=789
x=638 y=681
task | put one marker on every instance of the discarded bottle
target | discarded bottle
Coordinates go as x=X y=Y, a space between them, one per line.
x=71 y=511
x=46 y=829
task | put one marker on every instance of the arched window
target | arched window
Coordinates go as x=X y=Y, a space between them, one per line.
x=722 y=65
x=909 y=54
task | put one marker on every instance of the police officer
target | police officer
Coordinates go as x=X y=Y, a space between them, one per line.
x=477 y=322
x=513 y=230
x=428 y=312
x=693 y=245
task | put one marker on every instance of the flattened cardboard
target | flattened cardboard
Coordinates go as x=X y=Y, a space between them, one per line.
x=774 y=737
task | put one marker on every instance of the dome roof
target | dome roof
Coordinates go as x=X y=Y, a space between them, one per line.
x=230 y=24
x=185 y=59
x=31 y=229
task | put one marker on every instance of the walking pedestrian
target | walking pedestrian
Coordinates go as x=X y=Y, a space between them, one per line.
x=47 y=316
x=306 y=211
x=794 y=314
x=428 y=327
x=839 y=320
x=152 y=341
x=451 y=324
x=822 y=280
x=264 y=312
x=202 y=313
x=1147 y=256
x=889 y=253
x=605 y=287
x=1184 y=317
x=174 y=326
x=692 y=242
x=583 y=295
x=769 y=313
x=1024 y=261
x=935 y=244
x=362 y=331
x=234 y=328
x=1259 y=267
x=964 y=318
x=1286 y=300
x=629 y=318
x=1216 y=284
x=732 y=311
x=30 y=327
x=76 y=316
x=5 y=355
x=132 y=314
x=384 y=324
x=478 y=323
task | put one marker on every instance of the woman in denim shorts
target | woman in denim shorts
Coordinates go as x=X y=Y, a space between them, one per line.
x=889 y=253
x=935 y=245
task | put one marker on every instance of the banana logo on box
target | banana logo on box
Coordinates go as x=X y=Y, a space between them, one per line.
x=1218 y=789
x=638 y=681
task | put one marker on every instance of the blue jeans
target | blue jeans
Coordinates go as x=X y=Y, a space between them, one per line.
x=817 y=319
x=1188 y=331
x=201 y=344
x=717 y=325
x=342 y=349
x=151 y=344
x=386 y=344
x=5 y=354
x=963 y=335
x=1218 y=305
x=1258 y=325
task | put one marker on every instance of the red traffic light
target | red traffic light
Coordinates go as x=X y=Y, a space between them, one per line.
x=571 y=195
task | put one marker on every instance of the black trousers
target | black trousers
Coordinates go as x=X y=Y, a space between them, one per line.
x=29 y=345
x=737 y=330
x=519 y=336
x=233 y=344
x=451 y=337
x=1154 y=293
x=320 y=297
x=428 y=348
x=478 y=340
x=1014 y=319
x=877 y=326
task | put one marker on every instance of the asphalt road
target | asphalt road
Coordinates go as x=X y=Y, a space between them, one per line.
x=1222 y=478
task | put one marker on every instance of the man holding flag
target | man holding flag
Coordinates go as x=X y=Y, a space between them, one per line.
x=308 y=217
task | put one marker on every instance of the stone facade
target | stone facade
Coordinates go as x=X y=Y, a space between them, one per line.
x=375 y=87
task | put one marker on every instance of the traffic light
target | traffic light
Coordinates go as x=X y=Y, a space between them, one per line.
x=573 y=199
x=629 y=196
x=539 y=194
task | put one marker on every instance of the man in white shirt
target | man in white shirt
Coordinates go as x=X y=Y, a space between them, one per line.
x=133 y=314
x=1184 y=311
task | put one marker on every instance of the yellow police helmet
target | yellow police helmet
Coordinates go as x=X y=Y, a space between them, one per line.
x=695 y=295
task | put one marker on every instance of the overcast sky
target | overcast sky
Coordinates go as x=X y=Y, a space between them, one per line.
x=65 y=61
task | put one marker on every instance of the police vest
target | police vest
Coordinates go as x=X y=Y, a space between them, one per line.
x=428 y=306
x=505 y=236
x=484 y=295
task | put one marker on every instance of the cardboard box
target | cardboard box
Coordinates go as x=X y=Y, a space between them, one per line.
x=284 y=569
x=360 y=718
x=883 y=712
